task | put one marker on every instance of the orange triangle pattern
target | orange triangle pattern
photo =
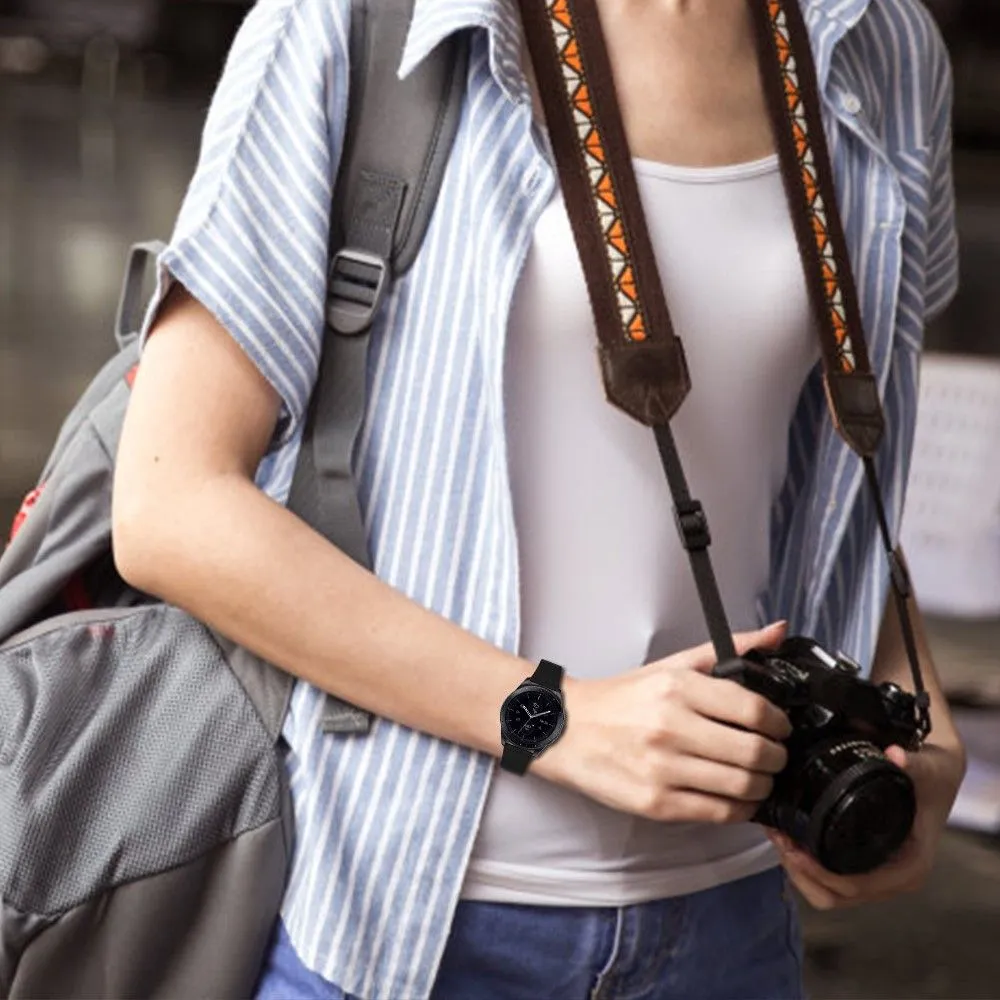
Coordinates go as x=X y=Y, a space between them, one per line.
x=627 y=282
x=606 y=191
x=560 y=11
x=792 y=90
x=602 y=183
x=571 y=56
x=603 y=187
x=616 y=237
x=594 y=146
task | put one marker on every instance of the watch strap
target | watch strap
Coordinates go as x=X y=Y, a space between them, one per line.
x=515 y=759
x=548 y=674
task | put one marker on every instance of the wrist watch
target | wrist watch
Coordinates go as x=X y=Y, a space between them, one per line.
x=532 y=717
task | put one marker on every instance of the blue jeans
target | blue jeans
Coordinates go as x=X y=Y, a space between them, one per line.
x=740 y=941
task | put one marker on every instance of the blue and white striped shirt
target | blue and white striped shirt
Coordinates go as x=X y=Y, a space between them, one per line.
x=386 y=823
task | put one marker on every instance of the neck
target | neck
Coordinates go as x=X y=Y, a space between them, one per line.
x=727 y=20
x=686 y=8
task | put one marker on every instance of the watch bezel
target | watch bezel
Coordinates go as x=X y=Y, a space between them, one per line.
x=505 y=736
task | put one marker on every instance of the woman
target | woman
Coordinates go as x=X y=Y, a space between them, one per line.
x=514 y=515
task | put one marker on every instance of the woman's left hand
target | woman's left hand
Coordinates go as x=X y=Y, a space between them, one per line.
x=937 y=773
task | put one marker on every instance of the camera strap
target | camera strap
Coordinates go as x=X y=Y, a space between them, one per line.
x=641 y=357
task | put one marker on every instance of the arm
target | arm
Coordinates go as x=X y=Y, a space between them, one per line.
x=939 y=766
x=892 y=664
x=191 y=527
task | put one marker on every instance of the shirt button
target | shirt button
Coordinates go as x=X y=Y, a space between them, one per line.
x=851 y=103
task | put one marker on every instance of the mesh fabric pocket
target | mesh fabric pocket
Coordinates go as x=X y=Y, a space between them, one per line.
x=127 y=747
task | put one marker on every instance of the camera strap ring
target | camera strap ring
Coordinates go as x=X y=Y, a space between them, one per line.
x=641 y=357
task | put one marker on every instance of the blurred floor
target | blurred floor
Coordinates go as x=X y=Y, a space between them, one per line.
x=81 y=178
x=943 y=942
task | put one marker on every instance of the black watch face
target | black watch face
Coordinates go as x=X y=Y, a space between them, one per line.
x=531 y=716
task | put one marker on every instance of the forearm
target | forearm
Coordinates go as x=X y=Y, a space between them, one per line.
x=245 y=565
x=892 y=664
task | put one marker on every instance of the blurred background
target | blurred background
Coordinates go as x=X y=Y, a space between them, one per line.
x=101 y=107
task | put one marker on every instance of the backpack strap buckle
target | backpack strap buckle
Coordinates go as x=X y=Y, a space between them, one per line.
x=358 y=282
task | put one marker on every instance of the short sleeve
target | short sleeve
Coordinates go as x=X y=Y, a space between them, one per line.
x=942 y=274
x=250 y=242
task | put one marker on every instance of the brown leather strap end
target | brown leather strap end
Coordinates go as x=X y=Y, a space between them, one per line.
x=648 y=381
x=855 y=408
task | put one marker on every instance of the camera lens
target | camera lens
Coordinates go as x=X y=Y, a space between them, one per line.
x=847 y=803
x=868 y=822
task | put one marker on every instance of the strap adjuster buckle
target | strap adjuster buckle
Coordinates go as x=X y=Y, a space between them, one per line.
x=693 y=526
x=358 y=282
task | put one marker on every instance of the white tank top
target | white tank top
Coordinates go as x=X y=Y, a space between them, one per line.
x=605 y=584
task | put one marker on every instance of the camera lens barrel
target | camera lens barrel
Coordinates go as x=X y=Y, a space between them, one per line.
x=845 y=802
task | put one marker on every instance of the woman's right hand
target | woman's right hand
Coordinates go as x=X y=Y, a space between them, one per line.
x=662 y=742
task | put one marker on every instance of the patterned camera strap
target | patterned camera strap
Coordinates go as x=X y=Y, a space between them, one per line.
x=642 y=359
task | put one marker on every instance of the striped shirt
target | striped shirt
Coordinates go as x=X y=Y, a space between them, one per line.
x=385 y=823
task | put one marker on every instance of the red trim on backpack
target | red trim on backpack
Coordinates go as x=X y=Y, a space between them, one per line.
x=22 y=515
x=75 y=595
x=130 y=375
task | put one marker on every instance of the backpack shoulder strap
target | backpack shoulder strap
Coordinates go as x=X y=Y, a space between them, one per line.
x=397 y=144
x=398 y=140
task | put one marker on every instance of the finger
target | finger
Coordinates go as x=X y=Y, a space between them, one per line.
x=703 y=657
x=780 y=840
x=817 y=896
x=866 y=889
x=893 y=877
x=728 y=702
x=808 y=868
x=900 y=874
x=700 y=775
x=711 y=740
x=898 y=756
x=770 y=637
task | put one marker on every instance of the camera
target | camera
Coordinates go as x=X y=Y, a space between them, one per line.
x=839 y=796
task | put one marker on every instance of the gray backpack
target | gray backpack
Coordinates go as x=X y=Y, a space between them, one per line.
x=146 y=826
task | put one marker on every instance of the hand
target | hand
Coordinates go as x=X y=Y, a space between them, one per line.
x=661 y=741
x=937 y=773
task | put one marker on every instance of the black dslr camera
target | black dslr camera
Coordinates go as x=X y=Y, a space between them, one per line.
x=839 y=796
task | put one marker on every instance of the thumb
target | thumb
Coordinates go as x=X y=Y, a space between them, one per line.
x=703 y=657
x=770 y=636
x=899 y=757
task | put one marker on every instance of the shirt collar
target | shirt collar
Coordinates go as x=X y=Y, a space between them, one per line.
x=434 y=20
x=827 y=22
x=847 y=12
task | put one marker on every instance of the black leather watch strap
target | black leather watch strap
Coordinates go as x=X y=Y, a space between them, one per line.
x=516 y=759
x=548 y=674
